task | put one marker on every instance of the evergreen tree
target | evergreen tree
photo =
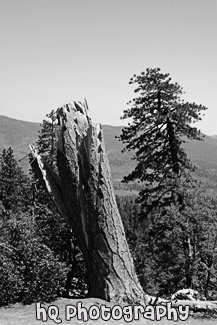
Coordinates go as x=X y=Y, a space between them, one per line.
x=175 y=241
x=50 y=225
x=47 y=138
x=46 y=147
x=160 y=123
x=14 y=184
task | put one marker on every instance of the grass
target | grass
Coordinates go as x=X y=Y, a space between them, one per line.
x=26 y=315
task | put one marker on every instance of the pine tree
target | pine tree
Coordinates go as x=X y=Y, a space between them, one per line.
x=14 y=185
x=171 y=244
x=50 y=225
x=46 y=147
x=46 y=139
x=160 y=123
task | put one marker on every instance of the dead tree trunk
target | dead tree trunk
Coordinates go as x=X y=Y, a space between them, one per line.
x=83 y=193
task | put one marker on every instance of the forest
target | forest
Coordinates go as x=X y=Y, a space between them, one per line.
x=170 y=226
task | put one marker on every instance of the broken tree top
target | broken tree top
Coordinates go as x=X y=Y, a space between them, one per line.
x=76 y=115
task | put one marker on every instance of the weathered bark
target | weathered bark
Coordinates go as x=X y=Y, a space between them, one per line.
x=83 y=193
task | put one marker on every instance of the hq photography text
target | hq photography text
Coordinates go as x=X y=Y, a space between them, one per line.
x=116 y=312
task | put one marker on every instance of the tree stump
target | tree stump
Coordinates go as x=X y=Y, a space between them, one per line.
x=83 y=193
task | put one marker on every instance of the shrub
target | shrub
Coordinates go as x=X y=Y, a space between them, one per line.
x=29 y=271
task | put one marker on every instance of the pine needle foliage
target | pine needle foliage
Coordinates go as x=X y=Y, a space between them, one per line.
x=161 y=121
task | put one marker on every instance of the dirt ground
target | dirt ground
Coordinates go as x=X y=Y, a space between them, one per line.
x=26 y=315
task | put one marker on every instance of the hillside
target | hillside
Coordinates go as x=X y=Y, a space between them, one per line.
x=18 y=134
x=203 y=153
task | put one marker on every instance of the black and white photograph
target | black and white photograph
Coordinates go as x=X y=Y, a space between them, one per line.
x=108 y=162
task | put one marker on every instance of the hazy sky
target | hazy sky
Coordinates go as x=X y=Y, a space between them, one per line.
x=54 y=51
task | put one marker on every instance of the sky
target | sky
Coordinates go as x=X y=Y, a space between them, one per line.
x=56 y=51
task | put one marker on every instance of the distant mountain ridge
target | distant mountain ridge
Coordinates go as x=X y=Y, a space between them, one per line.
x=19 y=134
